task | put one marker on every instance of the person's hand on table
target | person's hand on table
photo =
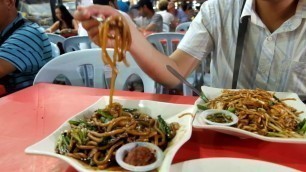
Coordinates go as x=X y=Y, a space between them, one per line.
x=65 y=31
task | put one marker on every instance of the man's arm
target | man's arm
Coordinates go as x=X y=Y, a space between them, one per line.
x=156 y=21
x=148 y=58
x=6 y=68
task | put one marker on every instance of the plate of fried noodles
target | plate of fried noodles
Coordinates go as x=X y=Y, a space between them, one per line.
x=88 y=141
x=270 y=116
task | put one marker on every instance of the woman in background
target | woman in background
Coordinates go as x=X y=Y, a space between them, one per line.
x=65 y=23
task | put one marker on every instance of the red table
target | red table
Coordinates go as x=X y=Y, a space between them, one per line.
x=33 y=113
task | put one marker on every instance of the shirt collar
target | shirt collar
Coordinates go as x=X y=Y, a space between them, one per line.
x=9 y=26
x=301 y=9
x=247 y=10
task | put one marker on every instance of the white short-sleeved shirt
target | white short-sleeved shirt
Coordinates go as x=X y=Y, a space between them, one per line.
x=167 y=17
x=272 y=61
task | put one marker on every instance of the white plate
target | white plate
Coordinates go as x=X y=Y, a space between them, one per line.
x=228 y=165
x=170 y=112
x=212 y=93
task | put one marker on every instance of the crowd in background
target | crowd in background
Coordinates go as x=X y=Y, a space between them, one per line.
x=148 y=16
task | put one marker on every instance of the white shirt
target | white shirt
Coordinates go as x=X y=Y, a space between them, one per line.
x=272 y=61
x=167 y=17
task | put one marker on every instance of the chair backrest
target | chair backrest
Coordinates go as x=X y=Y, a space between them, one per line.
x=78 y=68
x=166 y=27
x=55 y=50
x=73 y=43
x=182 y=27
x=125 y=72
x=55 y=38
x=166 y=43
x=85 y=68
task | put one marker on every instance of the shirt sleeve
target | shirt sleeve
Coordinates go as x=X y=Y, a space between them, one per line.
x=24 y=50
x=157 y=19
x=197 y=40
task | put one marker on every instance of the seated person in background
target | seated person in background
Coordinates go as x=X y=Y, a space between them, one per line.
x=24 y=48
x=112 y=3
x=65 y=23
x=149 y=20
x=168 y=18
x=123 y=6
x=183 y=13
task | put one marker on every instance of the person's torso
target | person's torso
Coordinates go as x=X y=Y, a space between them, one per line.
x=156 y=19
x=272 y=61
x=28 y=49
x=167 y=17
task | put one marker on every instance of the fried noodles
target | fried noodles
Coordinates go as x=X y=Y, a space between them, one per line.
x=95 y=140
x=114 y=29
x=260 y=112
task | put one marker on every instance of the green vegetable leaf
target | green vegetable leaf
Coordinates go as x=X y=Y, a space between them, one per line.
x=62 y=145
x=80 y=135
x=301 y=127
x=203 y=97
x=130 y=110
x=231 y=109
x=164 y=127
x=202 y=106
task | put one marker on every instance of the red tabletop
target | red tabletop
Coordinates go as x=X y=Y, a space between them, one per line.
x=33 y=113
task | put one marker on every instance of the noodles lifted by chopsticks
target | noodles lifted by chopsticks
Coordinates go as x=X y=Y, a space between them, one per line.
x=94 y=140
x=259 y=111
x=114 y=29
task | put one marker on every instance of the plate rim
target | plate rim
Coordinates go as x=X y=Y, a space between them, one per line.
x=236 y=159
x=78 y=166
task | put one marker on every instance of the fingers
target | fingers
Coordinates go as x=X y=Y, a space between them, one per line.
x=84 y=13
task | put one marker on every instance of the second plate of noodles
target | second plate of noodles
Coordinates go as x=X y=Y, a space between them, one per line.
x=269 y=116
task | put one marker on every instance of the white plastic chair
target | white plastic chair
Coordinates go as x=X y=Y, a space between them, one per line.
x=55 y=50
x=78 y=68
x=55 y=38
x=85 y=68
x=166 y=43
x=73 y=43
x=182 y=27
x=125 y=72
x=166 y=27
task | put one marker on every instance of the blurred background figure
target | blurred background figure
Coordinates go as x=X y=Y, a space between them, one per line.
x=123 y=6
x=168 y=18
x=171 y=9
x=133 y=12
x=149 y=20
x=65 y=24
x=184 y=12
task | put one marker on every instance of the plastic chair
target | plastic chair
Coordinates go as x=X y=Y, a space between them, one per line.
x=166 y=43
x=78 y=68
x=126 y=72
x=85 y=68
x=73 y=43
x=55 y=50
x=166 y=27
x=183 y=27
x=55 y=38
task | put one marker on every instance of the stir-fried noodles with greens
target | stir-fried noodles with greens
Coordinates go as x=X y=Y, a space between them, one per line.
x=260 y=112
x=95 y=140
